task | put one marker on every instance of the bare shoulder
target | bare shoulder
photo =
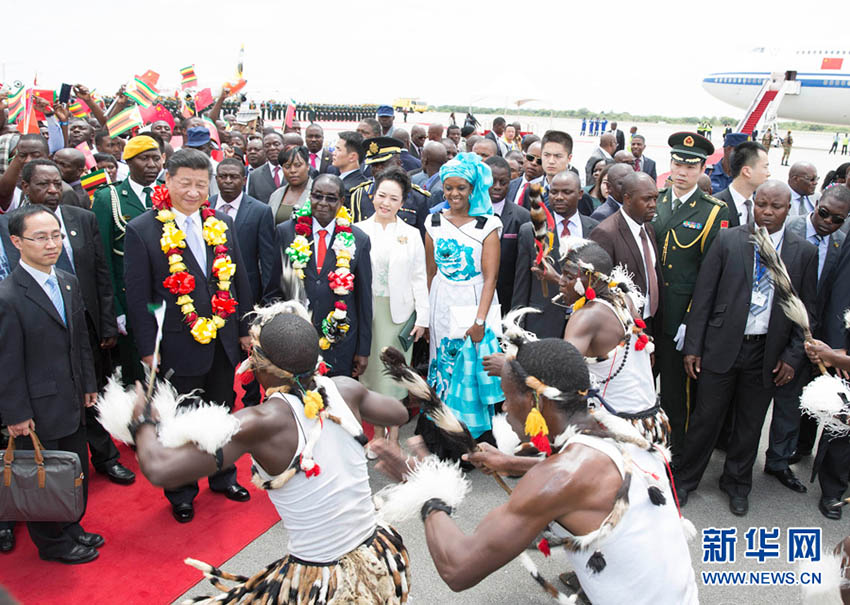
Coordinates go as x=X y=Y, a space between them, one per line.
x=271 y=417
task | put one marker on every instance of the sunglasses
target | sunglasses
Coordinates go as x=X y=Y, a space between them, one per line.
x=318 y=197
x=533 y=159
x=835 y=219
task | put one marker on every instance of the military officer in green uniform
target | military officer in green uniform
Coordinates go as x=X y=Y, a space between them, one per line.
x=115 y=205
x=686 y=223
x=381 y=153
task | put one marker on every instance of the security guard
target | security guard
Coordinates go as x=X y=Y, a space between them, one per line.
x=686 y=223
x=721 y=177
x=381 y=153
x=115 y=205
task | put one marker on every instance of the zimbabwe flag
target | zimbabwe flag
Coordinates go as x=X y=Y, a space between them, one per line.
x=15 y=103
x=189 y=77
x=79 y=109
x=141 y=92
x=124 y=121
x=92 y=181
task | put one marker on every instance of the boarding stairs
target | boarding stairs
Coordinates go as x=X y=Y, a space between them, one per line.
x=764 y=108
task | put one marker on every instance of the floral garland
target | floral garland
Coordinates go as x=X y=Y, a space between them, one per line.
x=182 y=283
x=336 y=325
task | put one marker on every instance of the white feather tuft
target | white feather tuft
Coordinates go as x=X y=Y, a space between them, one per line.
x=207 y=426
x=506 y=438
x=561 y=440
x=265 y=314
x=621 y=275
x=199 y=565
x=570 y=243
x=828 y=590
x=115 y=409
x=432 y=478
x=513 y=331
x=821 y=399
x=847 y=319
x=796 y=311
x=689 y=530
x=165 y=401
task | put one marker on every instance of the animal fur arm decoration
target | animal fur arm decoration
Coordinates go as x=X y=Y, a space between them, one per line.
x=544 y=227
x=208 y=426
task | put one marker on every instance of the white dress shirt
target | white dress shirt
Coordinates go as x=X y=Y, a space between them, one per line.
x=649 y=264
x=821 y=242
x=801 y=206
x=197 y=224
x=740 y=206
x=758 y=324
x=139 y=189
x=330 y=231
x=573 y=224
x=684 y=197
x=66 y=241
x=232 y=207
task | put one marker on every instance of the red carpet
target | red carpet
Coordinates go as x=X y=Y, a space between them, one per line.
x=142 y=560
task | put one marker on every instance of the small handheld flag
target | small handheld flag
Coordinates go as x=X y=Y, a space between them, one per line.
x=203 y=99
x=90 y=182
x=15 y=105
x=189 y=79
x=79 y=109
x=124 y=121
x=141 y=92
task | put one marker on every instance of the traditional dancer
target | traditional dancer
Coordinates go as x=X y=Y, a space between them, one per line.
x=604 y=485
x=307 y=448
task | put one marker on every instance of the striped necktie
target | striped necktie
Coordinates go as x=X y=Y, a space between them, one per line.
x=56 y=296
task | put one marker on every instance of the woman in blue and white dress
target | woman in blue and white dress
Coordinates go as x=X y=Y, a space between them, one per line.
x=462 y=255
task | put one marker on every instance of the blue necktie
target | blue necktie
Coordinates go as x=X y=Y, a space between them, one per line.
x=817 y=240
x=195 y=243
x=56 y=296
x=762 y=283
x=4 y=264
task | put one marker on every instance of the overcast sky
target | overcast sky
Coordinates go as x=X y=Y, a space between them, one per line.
x=643 y=57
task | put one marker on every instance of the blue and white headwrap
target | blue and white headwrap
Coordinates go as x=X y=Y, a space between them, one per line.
x=474 y=171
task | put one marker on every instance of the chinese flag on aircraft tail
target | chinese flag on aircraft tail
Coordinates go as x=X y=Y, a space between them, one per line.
x=831 y=63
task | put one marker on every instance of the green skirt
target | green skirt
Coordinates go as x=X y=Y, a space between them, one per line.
x=384 y=334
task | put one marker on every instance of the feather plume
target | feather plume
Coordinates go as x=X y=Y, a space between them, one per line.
x=397 y=369
x=262 y=315
x=432 y=478
x=513 y=334
x=622 y=276
x=847 y=319
x=826 y=399
x=571 y=243
x=506 y=438
x=207 y=426
x=790 y=303
x=115 y=409
x=291 y=285
x=829 y=570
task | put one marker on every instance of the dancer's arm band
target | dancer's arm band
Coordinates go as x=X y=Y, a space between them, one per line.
x=134 y=426
x=435 y=504
x=219 y=459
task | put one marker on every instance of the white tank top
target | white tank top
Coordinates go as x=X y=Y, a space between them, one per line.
x=632 y=390
x=646 y=554
x=328 y=515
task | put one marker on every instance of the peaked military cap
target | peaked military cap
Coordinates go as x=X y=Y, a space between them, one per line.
x=689 y=147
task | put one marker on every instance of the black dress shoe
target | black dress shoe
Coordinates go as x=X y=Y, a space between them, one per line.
x=739 y=505
x=89 y=539
x=78 y=554
x=682 y=496
x=797 y=456
x=183 y=513
x=788 y=479
x=828 y=509
x=118 y=473
x=7 y=540
x=235 y=492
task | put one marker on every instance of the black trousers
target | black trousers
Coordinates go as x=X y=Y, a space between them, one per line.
x=56 y=539
x=742 y=388
x=785 y=424
x=834 y=465
x=677 y=391
x=807 y=435
x=103 y=450
x=217 y=386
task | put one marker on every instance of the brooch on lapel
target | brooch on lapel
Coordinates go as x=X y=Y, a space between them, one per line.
x=402 y=239
x=73 y=232
x=692 y=225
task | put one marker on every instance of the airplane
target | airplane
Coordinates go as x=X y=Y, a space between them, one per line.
x=811 y=85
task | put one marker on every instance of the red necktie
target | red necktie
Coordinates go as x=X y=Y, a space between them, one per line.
x=277 y=176
x=637 y=164
x=322 y=249
x=565 y=230
x=313 y=161
x=651 y=277
x=522 y=195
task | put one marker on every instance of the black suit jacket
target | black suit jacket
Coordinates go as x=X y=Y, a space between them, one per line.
x=326 y=162
x=649 y=168
x=145 y=268
x=726 y=196
x=527 y=288
x=48 y=362
x=261 y=183
x=513 y=217
x=833 y=300
x=721 y=302
x=90 y=267
x=358 y=341
x=492 y=136
x=605 y=210
x=621 y=139
x=616 y=239
x=351 y=181
x=255 y=232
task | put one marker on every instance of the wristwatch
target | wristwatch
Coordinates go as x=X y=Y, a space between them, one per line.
x=479 y=321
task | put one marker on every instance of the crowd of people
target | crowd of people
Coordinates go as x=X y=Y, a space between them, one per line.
x=508 y=278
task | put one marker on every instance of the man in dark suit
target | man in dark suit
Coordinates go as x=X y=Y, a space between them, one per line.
x=749 y=169
x=347 y=157
x=199 y=357
x=786 y=423
x=115 y=206
x=263 y=181
x=434 y=155
x=629 y=240
x=564 y=194
x=642 y=163
x=619 y=137
x=46 y=350
x=81 y=255
x=495 y=135
x=512 y=217
x=606 y=150
x=616 y=174
x=532 y=172
x=254 y=226
x=320 y=158
x=349 y=356
x=739 y=344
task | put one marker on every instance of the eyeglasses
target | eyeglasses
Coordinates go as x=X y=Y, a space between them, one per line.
x=835 y=219
x=42 y=240
x=318 y=197
x=533 y=159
